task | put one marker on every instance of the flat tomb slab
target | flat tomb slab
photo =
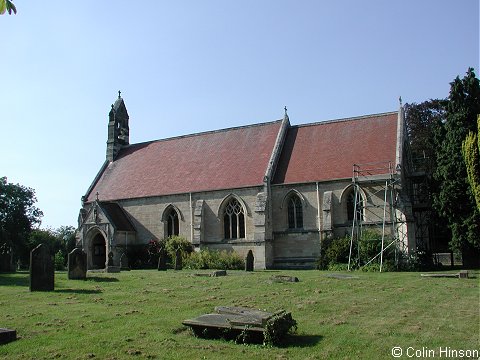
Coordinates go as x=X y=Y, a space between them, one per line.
x=437 y=275
x=7 y=335
x=224 y=321
x=251 y=325
x=341 y=276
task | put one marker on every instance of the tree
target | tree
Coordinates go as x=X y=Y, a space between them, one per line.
x=471 y=155
x=66 y=234
x=55 y=240
x=46 y=237
x=454 y=201
x=18 y=217
x=7 y=5
x=423 y=122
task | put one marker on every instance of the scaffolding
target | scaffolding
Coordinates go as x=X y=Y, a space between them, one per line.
x=377 y=210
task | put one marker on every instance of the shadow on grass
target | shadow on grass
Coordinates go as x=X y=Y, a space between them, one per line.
x=13 y=279
x=302 y=341
x=78 y=291
x=101 y=279
x=253 y=337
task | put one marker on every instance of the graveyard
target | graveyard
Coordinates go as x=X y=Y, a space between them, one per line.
x=138 y=314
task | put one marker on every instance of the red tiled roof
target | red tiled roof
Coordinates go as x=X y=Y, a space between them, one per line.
x=224 y=159
x=328 y=150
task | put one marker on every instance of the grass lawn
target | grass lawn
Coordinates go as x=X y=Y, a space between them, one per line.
x=138 y=315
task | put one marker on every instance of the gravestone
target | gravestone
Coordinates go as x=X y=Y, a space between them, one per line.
x=6 y=260
x=178 y=260
x=110 y=259
x=162 y=260
x=124 y=262
x=77 y=264
x=42 y=275
x=249 y=261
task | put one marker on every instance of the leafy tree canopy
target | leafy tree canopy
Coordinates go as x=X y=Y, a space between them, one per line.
x=471 y=155
x=455 y=201
x=18 y=215
x=423 y=121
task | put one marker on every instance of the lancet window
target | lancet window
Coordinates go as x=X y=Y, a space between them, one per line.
x=234 y=220
x=172 y=223
x=295 y=212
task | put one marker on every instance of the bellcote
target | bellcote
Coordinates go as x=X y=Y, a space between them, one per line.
x=118 y=130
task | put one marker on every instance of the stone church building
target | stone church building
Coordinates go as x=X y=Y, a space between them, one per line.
x=274 y=188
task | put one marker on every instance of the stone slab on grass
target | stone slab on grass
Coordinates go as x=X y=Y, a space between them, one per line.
x=341 y=276
x=243 y=324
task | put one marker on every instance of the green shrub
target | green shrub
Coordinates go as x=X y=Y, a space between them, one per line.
x=59 y=261
x=174 y=243
x=335 y=252
x=145 y=256
x=213 y=259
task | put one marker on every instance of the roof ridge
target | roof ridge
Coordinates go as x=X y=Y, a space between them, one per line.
x=206 y=132
x=353 y=118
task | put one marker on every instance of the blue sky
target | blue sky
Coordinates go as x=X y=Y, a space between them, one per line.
x=188 y=66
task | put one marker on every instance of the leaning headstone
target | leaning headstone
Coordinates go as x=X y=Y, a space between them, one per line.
x=162 y=260
x=178 y=260
x=77 y=264
x=42 y=275
x=7 y=335
x=249 y=261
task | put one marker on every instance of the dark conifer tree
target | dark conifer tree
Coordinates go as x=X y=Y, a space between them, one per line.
x=455 y=201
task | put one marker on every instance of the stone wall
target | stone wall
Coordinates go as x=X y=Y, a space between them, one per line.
x=146 y=214
x=200 y=215
x=322 y=217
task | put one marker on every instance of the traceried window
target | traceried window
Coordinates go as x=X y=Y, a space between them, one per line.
x=351 y=206
x=172 y=223
x=234 y=220
x=295 y=213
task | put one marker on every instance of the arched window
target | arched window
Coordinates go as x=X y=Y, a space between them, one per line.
x=351 y=205
x=172 y=222
x=295 y=212
x=234 y=220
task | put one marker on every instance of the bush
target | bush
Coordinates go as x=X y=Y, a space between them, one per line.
x=59 y=261
x=419 y=260
x=335 y=252
x=174 y=243
x=213 y=259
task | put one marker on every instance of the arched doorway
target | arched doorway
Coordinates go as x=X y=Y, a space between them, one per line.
x=99 y=253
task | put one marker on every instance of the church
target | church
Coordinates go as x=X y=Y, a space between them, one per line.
x=276 y=189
